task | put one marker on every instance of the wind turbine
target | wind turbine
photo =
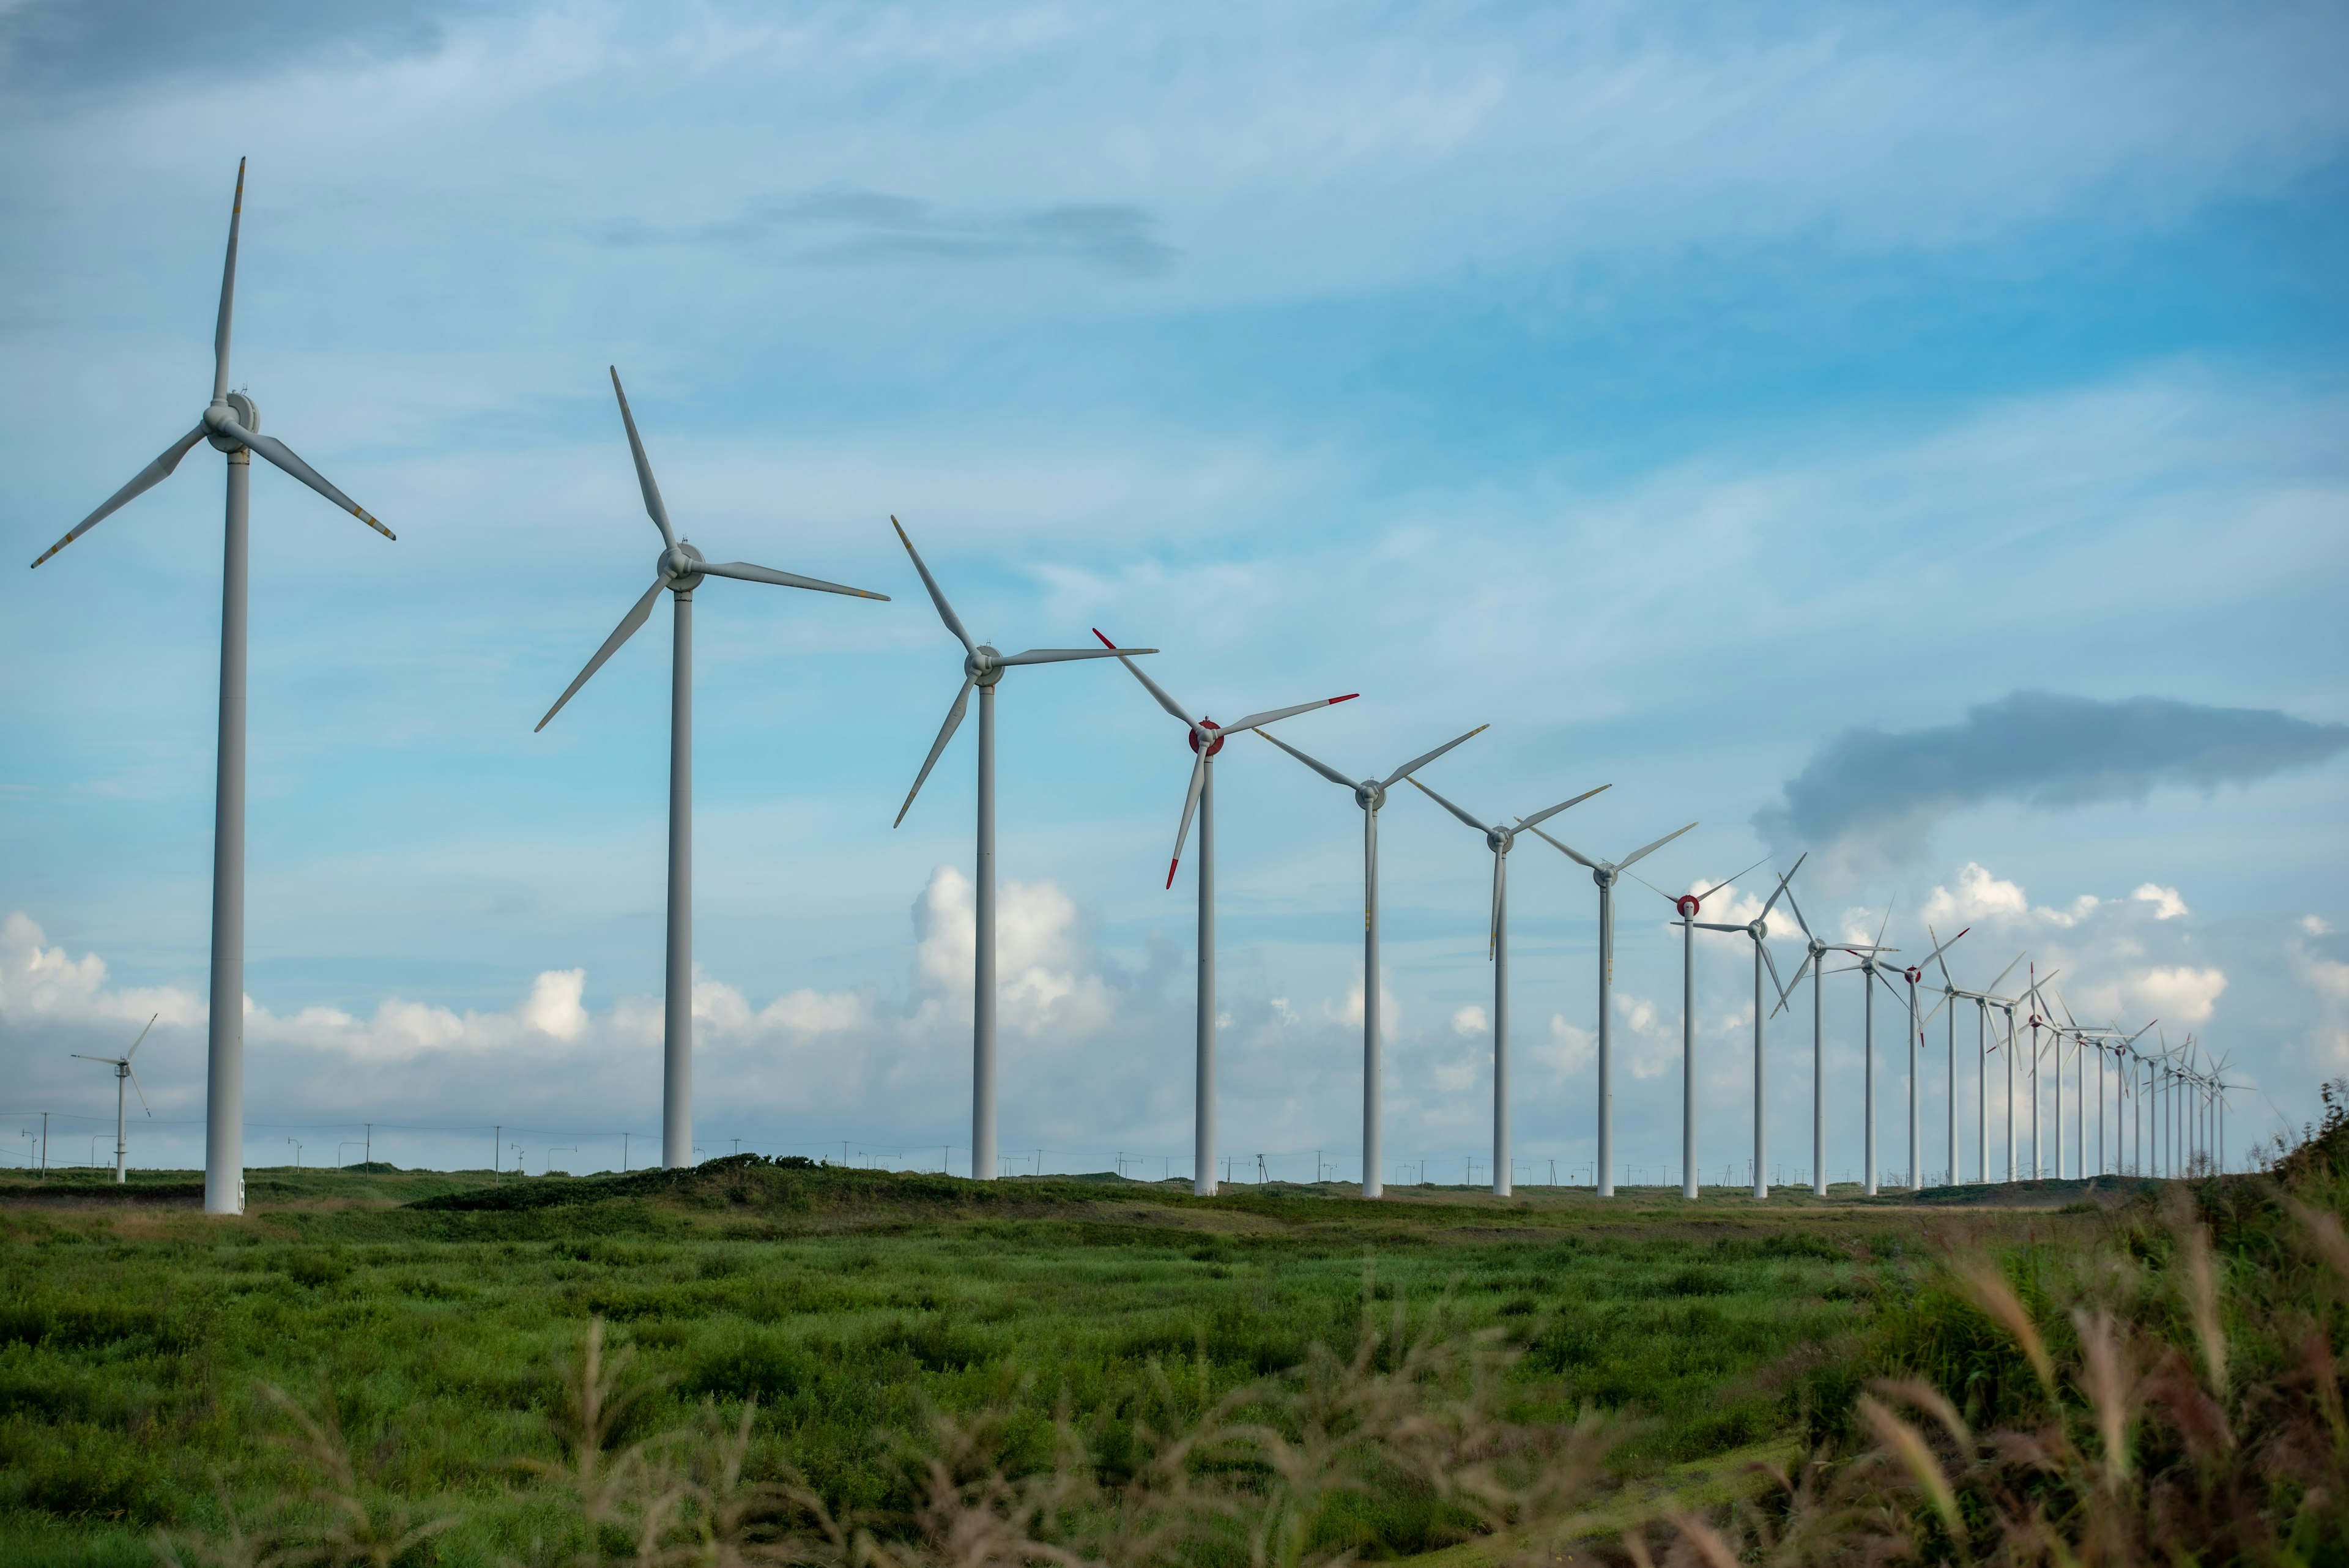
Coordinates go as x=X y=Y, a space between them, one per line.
x=1605 y=873
x=1500 y=839
x=1687 y=906
x=121 y=1065
x=2032 y=994
x=1912 y=974
x=1371 y=794
x=983 y=667
x=1206 y=738
x=1870 y=974
x=1951 y=992
x=680 y=568
x=231 y=424
x=1759 y=930
x=1816 y=949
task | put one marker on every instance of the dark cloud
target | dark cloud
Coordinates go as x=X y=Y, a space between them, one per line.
x=848 y=226
x=67 y=46
x=1882 y=792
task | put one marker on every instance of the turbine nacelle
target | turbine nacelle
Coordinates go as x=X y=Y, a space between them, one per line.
x=1370 y=794
x=679 y=567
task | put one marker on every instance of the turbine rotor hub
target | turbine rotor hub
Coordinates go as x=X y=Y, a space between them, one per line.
x=239 y=407
x=1500 y=839
x=980 y=666
x=677 y=563
x=1369 y=795
x=1688 y=904
x=1215 y=747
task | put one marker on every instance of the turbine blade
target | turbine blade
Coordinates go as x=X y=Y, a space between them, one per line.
x=1798 y=912
x=1885 y=926
x=635 y=618
x=109 y=1061
x=1771 y=964
x=147 y=479
x=1256 y=720
x=653 y=507
x=1545 y=813
x=1574 y=856
x=141 y=1041
x=1783 y=882
x=1500 y=875
x=1651 y=848
x=937 y=594
x=278 y=452
x=1787 y=989
x=1324 y=769
x=1943 y=948
x=2003 y=973
x=1416 y=763
x=1715 y=926
x=1164 y=699
x=1190 y=805
x=137 y=1090
x=945 y=734
x=228 y=291
x=744 y=571
x=1062 y=655
x=1936 y=1013
x=1447 y=805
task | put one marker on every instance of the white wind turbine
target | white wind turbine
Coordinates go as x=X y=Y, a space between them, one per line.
x=121 y=1065
x=982 y=667
x=1206 y=738
x=1605 y=873
x=1370 y=794
x=1815 y=951
x=1758 y=928
x=1866 y=967
x=679 y=569
x=1686 y=907
x=1500 y=840
x=1981 y=1001
x=1912 y=974
x=2030 y=995
x=232 y=425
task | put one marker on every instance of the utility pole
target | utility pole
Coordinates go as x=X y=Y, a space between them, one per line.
x=368 y=1147
x=497 y=1147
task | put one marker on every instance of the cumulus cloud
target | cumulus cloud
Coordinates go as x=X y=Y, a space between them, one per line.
x=2167 y=904
x=1469 y=1021
x=2316 y=925
x=1875 y=795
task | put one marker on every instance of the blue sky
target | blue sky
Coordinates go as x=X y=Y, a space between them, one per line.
x=1675 y=389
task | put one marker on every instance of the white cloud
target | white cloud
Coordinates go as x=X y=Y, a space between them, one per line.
x=2316 y=925
x=2167 y=904
x=1470 y=1020
x=2175 y=995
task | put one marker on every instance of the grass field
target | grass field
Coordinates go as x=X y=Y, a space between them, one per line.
x=432 y=1309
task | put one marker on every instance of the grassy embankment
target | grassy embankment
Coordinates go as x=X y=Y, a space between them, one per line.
x=134 y=1335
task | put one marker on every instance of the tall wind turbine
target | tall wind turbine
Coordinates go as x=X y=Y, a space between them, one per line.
x=982 y=667
x=1371 y=794
x=1686 y=906
x=1758 y=928
x=2038 y=1020
x=123 y=1072
x=680 y=568
x=1951 y=992
x=1500 y=839
x=1206 y=738
x=1912 y=974
x=1816 y=949
x=231 y=424
x=1605 y=873
x=1870 y=973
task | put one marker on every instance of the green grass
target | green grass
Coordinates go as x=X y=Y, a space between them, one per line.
x=432 y=1308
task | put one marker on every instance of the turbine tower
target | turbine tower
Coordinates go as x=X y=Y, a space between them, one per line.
x=232 y=425
x=1758 y=928
x=1371 y=794
x=982 y=667
x=679 y=569
x=1686 y=906
x=1951 y=992
x=1870 y=973
x=1500 y=840
x=1206 y=738
x=1605 y=873
x=123 y=1072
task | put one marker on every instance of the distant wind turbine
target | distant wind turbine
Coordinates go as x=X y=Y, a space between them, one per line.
x=1816 y=949
x=1371 y=794
x=1605 y=873
x=982 y=667
x=1206 y=738
x=1758 y=928
x=1912 y=974
x=1499 y=839
x=679 y=569
x=1687 y=906
x=232 y=424
x=122 y=1073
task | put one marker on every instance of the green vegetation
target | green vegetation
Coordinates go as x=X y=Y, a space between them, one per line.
x=849 y=1328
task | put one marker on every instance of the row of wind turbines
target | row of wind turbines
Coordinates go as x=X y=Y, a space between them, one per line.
x=231 y=424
